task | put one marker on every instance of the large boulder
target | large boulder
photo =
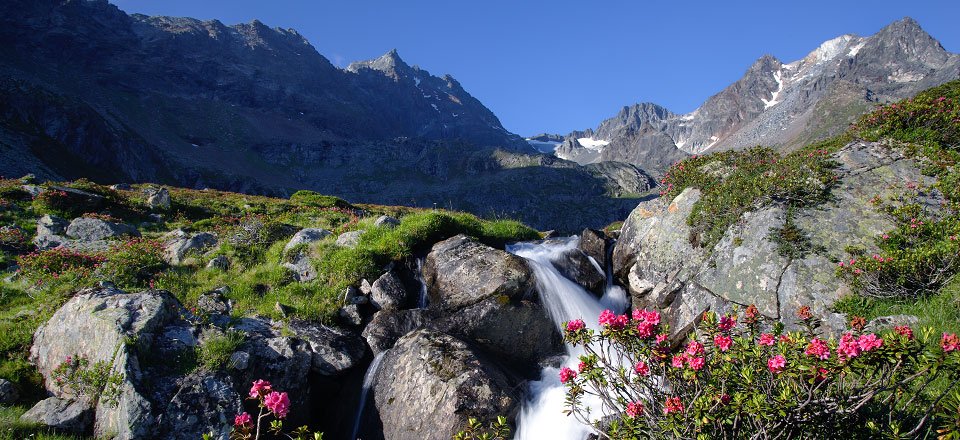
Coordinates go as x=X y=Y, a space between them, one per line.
x=202 y=404
x=430 y=383
x=65 y=415
x=388 y=292
x=662 y=268
x=461 y=271
x=595 y=244
x=93 y=229
x=387 y=326
x=98 y=325
x=179 y=244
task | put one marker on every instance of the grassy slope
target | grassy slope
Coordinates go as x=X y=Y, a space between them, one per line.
x=253 y=232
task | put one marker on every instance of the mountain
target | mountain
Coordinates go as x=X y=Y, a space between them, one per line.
x=87 y=90
x=777 y=104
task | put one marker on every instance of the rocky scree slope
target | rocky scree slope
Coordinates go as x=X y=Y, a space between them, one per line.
x=777 y=104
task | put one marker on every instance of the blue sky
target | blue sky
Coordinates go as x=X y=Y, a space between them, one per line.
x=555 y=66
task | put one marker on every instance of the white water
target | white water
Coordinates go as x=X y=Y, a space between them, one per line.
x=365 y=390
x=541 y=416
x=422 y=298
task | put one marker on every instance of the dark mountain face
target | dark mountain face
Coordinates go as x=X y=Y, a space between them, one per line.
x=89 y=91
x=777 y=104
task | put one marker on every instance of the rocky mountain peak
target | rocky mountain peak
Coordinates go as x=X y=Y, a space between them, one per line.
x=390 y=64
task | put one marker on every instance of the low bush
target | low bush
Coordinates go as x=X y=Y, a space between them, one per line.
x=133 y=263
x=317 y=200
x=58 y=264
x=735 y=380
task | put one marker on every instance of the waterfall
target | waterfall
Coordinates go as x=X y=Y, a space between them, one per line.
x=365 y=390
x=541 y=416
x=422 y=298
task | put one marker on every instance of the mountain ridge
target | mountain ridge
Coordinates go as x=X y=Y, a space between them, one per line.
x=773 y=103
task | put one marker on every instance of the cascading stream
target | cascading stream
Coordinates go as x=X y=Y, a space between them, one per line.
x=541 y=416
x=368 y=378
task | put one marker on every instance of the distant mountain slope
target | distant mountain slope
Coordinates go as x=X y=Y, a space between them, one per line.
x=89 y=91
x=778 y=104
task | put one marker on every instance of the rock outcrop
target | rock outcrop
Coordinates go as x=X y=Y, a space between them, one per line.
x=656 y=259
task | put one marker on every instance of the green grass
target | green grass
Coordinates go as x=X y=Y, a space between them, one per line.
x=215 y=351
x=939 y=311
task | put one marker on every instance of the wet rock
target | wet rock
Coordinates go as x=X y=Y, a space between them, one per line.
x=387 y=326
x=595 y=244
x=388 y=292
x=430 y=383
x=460 y=271
x=333 y=351
x=576 y=266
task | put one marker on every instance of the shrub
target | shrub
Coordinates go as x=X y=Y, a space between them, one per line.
x=93 y=381
x=55 y=202
x=498 y=430
x=133 y=263
x=731 y=380
x=13 y=239
x=273 y=404
x=58 y=263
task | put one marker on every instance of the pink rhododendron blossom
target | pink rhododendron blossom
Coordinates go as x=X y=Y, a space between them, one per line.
x=606 y=317
x=848 y=347
x=672 y=405
x=776 y=364
x=612 y=320
x=694 y=348
x=260 y=388
x=904 y=330
x=661 y=338
x=678 y=361
x=575 y=325
x=766 y=339
x=818 y=349
x=582 y=366
x=722 y=342
x=950 y=342
x=567 y=375
x=645 y=329
x=821 y=373
x=277 y=403
x=634 y=409
x=869 y=342
x=696 y=363
x=242 y=420
x=642 y=369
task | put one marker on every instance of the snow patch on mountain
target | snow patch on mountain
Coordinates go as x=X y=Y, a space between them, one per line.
x=593 y=144
x=776 y=93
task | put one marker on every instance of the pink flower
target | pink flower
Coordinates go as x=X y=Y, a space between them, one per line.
x=950 y=342
x=260 y=387
x=672 y=405
x=642 y=369
x=582 y=366
x=727 y=322
x=766 y=339
x=776 y=364
x=277 y=403
x=612 y=320
x=848 y=347
x=661 y=338
x=694 y=348
x=696 y=363
x=567 y=375
x=678 y=361
x=904 y=331
x=634 y=409
x=818 y=349
x=645 y=329
x=576 y=324
x=722 y=342
x=869 y=342
x=242 y=420
x=821 y=373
